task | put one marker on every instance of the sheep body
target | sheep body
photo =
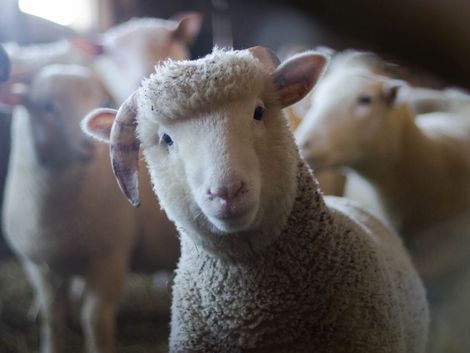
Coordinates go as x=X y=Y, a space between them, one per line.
x=63 y=215
x=311 y=282
x=265 y=265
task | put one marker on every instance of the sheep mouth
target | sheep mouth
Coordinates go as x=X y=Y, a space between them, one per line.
x=233 y=219
x=229 y=211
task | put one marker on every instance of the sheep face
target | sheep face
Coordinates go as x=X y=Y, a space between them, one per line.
x=56 y=99
x=220 y=164
x=220 y=154
x=351 y=118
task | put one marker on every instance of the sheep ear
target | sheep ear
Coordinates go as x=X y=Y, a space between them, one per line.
x=391 y=90
x=124 y=150
x=188 y=27
x=98 y=124
x=297 y=76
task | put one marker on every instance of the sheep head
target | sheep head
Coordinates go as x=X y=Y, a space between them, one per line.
x=353 y=116
x=220 y=154
x=132 y=49
x=56 y=98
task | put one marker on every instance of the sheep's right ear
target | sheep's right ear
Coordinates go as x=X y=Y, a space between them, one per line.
x=98 y=123
x=295 y=77
x=391 y=90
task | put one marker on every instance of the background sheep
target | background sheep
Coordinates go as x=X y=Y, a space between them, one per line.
x=64 y=216
x=132 y=49
x=419 y=168
x=265 y=265
x=122 y=56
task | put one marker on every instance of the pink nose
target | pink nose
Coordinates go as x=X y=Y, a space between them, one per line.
x=227 y=193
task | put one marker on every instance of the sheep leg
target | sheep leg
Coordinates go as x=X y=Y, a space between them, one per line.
x=51 y=295
x=104 y=286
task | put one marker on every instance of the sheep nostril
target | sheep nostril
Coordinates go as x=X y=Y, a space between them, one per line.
x=218 y=192
x=227 y=193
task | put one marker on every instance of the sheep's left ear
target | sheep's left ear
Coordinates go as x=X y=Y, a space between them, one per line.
x=189 y=25
x=391 y=90
x=98 y=124
x=295 y=77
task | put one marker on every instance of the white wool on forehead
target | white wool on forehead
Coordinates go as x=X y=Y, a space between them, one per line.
x=179 y=88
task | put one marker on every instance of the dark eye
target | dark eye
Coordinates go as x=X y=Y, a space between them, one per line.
x=258 y=114
x=364 y=99
x=167 y=139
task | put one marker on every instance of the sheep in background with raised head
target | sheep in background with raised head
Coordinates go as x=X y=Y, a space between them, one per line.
x=122 y=56
x=266 y=264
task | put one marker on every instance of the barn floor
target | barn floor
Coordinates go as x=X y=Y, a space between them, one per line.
x=142 y=320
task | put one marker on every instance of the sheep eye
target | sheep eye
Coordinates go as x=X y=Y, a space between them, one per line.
x=258 y=114
x=167 y=139
x=365 y=99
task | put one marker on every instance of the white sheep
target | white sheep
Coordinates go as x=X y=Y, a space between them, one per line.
x=132 y=49
x=122 y=56
x=63 y=214
x=419 y=169
x=375 y=132
x=266 y=264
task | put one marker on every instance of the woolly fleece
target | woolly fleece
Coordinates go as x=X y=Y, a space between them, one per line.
x=179 y=89
x=336 y=280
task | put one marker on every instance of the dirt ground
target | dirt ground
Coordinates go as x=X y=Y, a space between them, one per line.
x=143 y=317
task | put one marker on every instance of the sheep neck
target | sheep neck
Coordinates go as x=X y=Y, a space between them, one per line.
x=308 y=206
x=409 y=179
